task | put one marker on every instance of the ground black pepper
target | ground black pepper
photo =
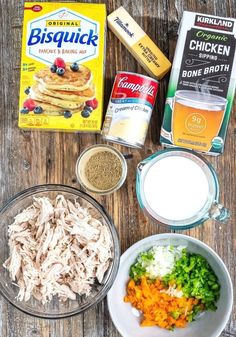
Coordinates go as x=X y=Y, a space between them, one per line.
x=103 y=170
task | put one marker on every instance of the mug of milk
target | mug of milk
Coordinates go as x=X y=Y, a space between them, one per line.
x=178 y=188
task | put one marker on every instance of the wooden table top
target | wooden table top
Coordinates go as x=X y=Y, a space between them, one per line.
x=32 y=158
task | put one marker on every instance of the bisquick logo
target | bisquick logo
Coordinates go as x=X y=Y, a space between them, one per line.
x=43 y=36
x=62 y=32
x=124 y=26
x=135 y=87
x=215 y=23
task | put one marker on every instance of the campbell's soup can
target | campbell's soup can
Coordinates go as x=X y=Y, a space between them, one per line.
x=129 y=109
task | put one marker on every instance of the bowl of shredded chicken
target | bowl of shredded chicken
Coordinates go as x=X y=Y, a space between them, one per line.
x=59 y=251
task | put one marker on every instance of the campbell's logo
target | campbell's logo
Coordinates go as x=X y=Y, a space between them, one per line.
x=62 y=32
x=214 y=22
x=135 y=87
x=124 y=26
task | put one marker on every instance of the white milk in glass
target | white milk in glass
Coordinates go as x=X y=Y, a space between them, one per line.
x=176 y=188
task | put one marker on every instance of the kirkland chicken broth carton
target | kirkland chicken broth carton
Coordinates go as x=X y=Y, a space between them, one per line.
x=62 y=68
x=202 y=84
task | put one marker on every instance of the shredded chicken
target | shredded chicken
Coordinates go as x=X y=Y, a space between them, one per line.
x=57 y=248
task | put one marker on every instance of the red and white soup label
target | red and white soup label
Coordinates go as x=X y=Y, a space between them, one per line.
x=130 y=108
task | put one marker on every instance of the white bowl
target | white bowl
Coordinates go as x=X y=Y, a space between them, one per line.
x=208 y=324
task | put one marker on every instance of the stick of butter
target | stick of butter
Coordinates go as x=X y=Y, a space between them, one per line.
x=138 y=43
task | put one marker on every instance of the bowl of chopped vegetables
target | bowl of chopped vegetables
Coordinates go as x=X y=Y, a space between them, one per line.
x=171 y=284
x=59 y=251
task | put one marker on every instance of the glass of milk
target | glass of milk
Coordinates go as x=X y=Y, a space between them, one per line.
x=178 y=188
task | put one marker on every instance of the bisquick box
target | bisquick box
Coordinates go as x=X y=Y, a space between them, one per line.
x=202 y=84
x=74 y=33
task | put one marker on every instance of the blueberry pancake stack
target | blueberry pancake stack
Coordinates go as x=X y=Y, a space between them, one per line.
x=62 y=90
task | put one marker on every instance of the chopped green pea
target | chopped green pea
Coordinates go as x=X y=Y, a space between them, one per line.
x=194 y=275
x=175 y=314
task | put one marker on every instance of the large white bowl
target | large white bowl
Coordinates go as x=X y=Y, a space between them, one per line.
x=209 y=324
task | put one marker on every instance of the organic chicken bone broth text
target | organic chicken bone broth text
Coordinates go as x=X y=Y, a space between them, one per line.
x=202 y=84
x=129 y=109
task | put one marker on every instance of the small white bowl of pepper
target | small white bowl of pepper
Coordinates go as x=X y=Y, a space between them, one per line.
x=101 y=169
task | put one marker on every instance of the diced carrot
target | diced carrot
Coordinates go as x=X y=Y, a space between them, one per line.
x=158 y=307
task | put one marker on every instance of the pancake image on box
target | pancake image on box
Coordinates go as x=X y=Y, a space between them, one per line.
x=62 y=93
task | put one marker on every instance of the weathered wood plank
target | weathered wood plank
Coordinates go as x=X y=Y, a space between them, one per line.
x=30 y=158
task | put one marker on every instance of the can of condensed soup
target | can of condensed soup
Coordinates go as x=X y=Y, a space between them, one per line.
x=129 y=109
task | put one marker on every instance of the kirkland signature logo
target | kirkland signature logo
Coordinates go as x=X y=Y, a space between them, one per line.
x=62 y=33
x=215 y=23
x=124 y=26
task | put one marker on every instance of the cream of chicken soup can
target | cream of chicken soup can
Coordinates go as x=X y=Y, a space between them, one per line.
x=129 y=109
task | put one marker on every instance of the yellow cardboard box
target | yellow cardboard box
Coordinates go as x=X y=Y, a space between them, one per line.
x=74 y=33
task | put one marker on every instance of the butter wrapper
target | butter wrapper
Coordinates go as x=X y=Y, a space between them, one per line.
x=138 y=43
